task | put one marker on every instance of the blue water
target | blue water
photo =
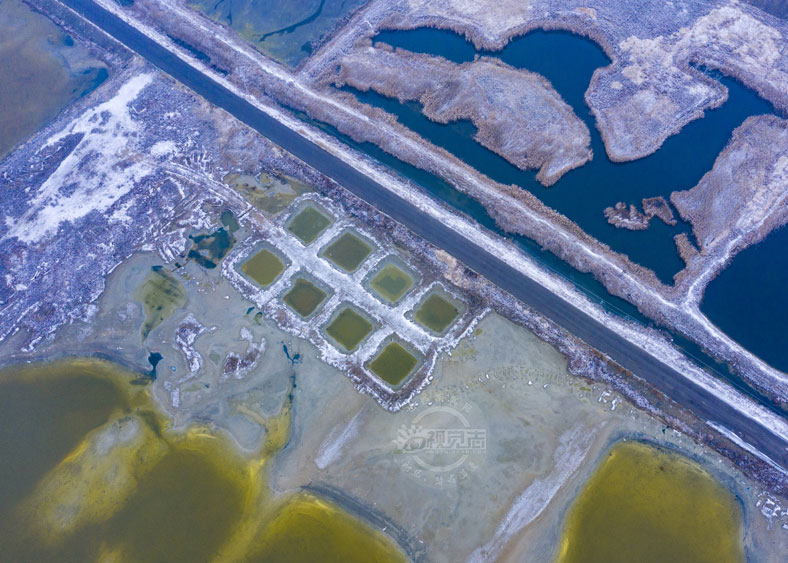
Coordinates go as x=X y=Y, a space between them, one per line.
x=570 y=70
x=749 y=299
x=568 y=61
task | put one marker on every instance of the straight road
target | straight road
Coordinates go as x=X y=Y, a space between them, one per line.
x=705 y=405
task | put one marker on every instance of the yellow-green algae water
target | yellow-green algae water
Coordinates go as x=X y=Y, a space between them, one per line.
x=322 y=532
x=646 y=504
x=92 y=473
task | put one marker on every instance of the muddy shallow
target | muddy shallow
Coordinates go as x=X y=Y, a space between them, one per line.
x=93 y=473
x=486 y=462
x=42 y=70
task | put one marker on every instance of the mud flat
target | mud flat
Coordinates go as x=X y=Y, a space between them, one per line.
x=518 y=114
x=725 y=32
x=219 y=322
x=545 y=432
x=192 y=172
x=43 y=70
x=110 y=477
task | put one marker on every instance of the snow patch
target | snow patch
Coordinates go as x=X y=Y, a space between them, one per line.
x=332 y=446
x=108 y=131
x=163 y=148
x=572 y=450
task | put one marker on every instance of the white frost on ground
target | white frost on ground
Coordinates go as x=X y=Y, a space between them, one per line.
x=108 y=131
x=331 y=448
x=572 y=450
x=163 y=148
x=733 y=437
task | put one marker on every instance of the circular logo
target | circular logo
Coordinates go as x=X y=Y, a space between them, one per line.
x=440 y=445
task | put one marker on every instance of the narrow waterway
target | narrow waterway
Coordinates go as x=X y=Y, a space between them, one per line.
x=568 y=61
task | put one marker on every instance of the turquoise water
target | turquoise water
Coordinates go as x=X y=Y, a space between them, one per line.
x=569 y=61
x=749 y=299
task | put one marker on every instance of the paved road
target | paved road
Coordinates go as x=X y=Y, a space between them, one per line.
x=705 y=405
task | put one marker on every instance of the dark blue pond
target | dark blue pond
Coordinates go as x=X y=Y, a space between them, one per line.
x=568 y=61
x=749 y=299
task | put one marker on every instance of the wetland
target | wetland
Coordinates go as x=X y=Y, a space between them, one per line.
x=568 y=62
x=283 y=29
x=44 y=70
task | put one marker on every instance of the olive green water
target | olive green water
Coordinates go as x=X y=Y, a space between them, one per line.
x=43 y=417
x=391 y=283
x=437 y=313
x=349 y=328
x=309 y=529
x=308 y=224
x=161 y=295
x=348 y=252
x=305 y=297
x=264 y=267
x=393 y=364
x=645 y=504
x=91 y=473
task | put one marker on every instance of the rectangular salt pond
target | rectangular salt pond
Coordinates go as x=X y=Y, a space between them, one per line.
x=304 y=297
x=437 y=312
x=264 y=267
x=308 y=223
x=393 y=364
x=349 y=328
x=391 y=282
x=347 y=251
